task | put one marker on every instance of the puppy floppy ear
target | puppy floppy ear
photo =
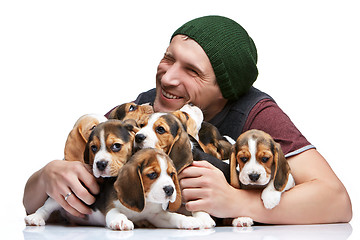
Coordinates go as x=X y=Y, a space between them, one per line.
x=86 y=152
x=131 y=125
x=282 y=168
x=224 y=148
x=234 y=176
x=180 y=151
x=129 y=187
x=75 y=145
x=174 y=206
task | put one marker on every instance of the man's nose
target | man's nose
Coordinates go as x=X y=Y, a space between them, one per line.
x=172 y=76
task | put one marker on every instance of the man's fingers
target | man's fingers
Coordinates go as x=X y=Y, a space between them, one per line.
x=65 y=205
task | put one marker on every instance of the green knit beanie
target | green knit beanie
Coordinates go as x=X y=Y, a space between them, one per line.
x=231 y=51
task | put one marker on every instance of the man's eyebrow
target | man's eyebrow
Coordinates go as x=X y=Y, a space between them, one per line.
x=198 y=69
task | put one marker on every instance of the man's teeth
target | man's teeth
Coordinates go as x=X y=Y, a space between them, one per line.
x=168 y=95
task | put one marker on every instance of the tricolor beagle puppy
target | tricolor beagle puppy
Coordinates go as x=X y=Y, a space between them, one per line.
x=191 y=117
x=213 y=143
x=132 y=111
x=261 y=164
x=166 y=132
x=108 y=148
x=207 y=135
x=79 y=135
x=145 y=188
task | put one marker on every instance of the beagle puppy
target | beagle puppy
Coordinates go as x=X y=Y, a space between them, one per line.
x=132 y=111
x=213 y=143
x=191 y=117
x=79 y=135
x=262 y=164
x=145 y=188
x=108 y=148
x=166 y=132
x=207 y=135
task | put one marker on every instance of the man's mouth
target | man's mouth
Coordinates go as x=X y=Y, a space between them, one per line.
x=168 y=95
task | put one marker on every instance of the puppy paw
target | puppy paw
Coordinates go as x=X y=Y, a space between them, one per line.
x=121 y=225
x=205 y=220
x=34 y=220
x=271 y=198
x=242 y=222
x=189 y=223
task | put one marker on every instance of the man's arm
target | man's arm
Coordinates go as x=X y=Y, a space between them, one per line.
x=56 y=179
x=318 y=197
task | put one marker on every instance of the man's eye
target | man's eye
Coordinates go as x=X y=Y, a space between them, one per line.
x=116 y=147
x=193 y=72
x=160 y=130
x=152 y=175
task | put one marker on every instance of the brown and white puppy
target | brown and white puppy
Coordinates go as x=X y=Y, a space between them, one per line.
x=145 y=188
x=79 y=135
x=213 y=143
x=261 y=164
x=191 y=117
x=132 y=111
x=207 y=135
x=164 y=131
x=109 y=147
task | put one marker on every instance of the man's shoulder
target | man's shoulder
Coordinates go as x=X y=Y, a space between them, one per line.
x=146 y=97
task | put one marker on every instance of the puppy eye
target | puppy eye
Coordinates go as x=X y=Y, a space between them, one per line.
x=152 y=175
x=116 y=147
x=92 y=128
x=132 y=108
x=172 y=174
x=244 y=159
x=142 y=125
x=160 y=130
x=264 y=159
x=94 y=148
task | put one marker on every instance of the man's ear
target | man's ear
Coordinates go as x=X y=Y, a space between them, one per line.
x=129 y=187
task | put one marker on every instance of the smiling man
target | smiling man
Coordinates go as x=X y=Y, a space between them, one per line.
x=211 y=63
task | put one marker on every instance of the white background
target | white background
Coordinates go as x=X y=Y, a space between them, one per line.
x=62 y=59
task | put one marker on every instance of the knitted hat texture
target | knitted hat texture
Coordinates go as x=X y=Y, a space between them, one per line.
x=230 y=49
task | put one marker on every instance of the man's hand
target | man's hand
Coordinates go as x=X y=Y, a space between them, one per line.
x=63 y=177
x=204 y=188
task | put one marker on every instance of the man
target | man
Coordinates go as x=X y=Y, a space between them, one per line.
x=211 y=62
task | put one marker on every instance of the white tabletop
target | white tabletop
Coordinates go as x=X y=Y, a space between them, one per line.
x=307 y=232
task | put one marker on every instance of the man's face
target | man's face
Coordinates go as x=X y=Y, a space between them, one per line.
x=185 y=75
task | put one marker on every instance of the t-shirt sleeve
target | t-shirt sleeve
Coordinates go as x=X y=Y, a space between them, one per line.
x=267 y=116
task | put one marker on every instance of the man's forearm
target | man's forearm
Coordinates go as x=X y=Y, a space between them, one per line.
x=307 y=203
x=34 y=193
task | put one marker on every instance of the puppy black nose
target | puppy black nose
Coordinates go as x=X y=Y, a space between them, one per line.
x=139 y=138
x=101 y=165
x=169 y=190
x=254 y=177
